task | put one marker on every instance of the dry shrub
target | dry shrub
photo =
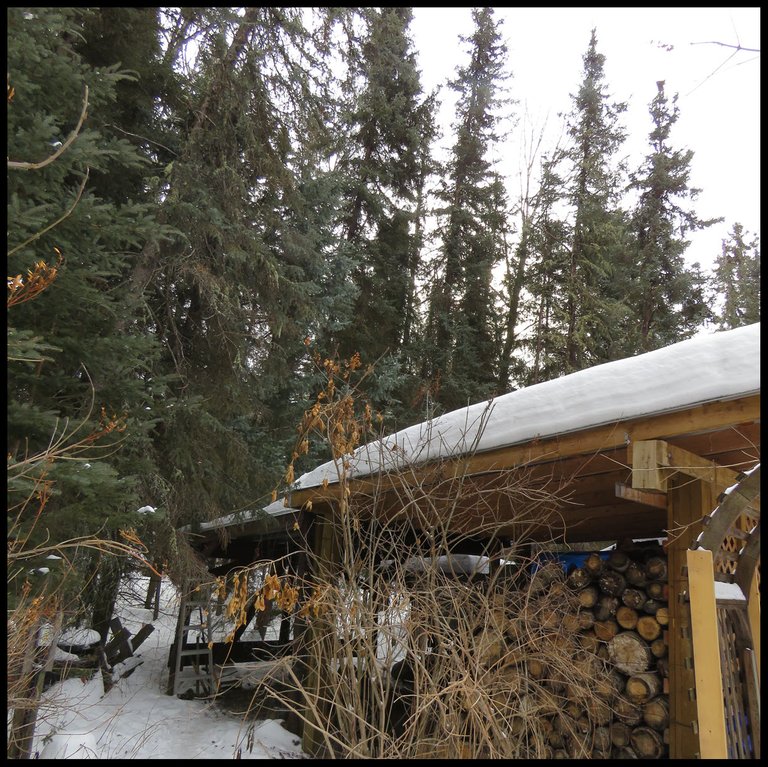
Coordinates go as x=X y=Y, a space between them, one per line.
x=405 y=655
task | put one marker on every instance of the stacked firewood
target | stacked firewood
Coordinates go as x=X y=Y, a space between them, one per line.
x=622 y=618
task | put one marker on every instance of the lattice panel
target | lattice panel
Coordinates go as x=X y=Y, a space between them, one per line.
x=726 y=560
x=740 y=735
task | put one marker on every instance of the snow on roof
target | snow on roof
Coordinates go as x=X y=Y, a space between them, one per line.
x=706 y=368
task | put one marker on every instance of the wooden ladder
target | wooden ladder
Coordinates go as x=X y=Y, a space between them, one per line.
x=192 y=664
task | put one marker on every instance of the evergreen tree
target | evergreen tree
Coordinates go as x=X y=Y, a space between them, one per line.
x=546 y=244
x=462 y=315
x=385 y=168
x=736 y=280
x=234 y=292
x=79 y=358
x=666 y=299
x=598 y=225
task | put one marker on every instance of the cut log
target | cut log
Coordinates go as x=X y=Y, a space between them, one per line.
x=657 y=590
x=662 y=667
x=650 y=606
x=594 y=564
x=599 y=712
x=607 y=686
x=620 y=734
x=647 y=743
x=642 y=687
x=648 y=627
x=555 y=739
x=656 y=569
x=662 y=615
x=635 y=575
x=589 y=641
x=579 y=578
x=659 y=647
x=586 y=619
x=601 y=740
x=629 y=652
x=634 y=598
x=618 y=561
x=612 y=583
x=656 y=712
x=606 y=630
x=626 y=711
x=588 y=596
x=606 y=607
x=626 y=617
x=570 y=623
x=625 y=752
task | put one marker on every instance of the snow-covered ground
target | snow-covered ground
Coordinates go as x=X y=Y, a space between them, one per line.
x=136 y=719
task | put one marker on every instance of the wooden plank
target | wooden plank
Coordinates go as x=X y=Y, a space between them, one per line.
x=695 y=466
x=753 y=613
x=649 y=459
x=706 y=656
x=688 y=500
x=658 y=500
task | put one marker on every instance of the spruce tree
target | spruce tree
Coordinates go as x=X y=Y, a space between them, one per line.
x=385 y=167
x=598 y=223
x=665 y=297
x=78 y=355
x=461 y=322
x=736 y=280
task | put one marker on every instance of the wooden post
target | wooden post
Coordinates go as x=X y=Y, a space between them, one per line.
x=753 y=612
x=689 y=501
x=706 y=655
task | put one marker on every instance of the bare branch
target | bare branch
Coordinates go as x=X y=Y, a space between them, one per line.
x=738 y=46
x=14 y=165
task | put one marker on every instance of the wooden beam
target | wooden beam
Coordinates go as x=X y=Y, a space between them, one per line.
x=695 y=466
x=658 y=500
x=649 y=461
x=706 y=656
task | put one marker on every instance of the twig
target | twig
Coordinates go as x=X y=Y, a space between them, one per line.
x=12 y=164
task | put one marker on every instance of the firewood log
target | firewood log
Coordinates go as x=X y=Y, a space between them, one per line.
x=601 y=740
x=651 y=606
x=606 y=630
x=588 y=596
x=656 y=712
x=629 y=652
x=627 y=711
x=624 y=752
x=648 y=627
x=662 y=615
x=578 y=578
x=586 y=619
x=656 y=569
x=657 y=590
x=619 y=734
x=612 y=583
x=634 y=598
x=647 y=743
x=626 y=617
x=659 y=647
x=635 y=575
x=618 y=561
x=606 y=607
x=594 y=564
x=643 y=686
x=599 y=712
x=589 y=641
x=662 y=667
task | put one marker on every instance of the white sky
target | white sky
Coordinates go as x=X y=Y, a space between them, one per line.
x=719 y=117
